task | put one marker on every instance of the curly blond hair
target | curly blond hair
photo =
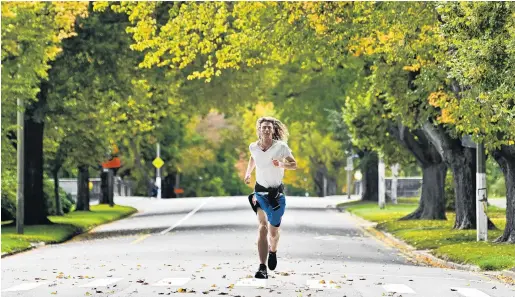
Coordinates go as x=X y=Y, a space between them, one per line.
x=280 y=130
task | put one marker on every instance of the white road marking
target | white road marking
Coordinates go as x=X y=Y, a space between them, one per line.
x=468 y=292
x=251 y=282
x=186 y=217
x=24 y=287
x=398 y=288
x=172 y=282
x=131 y=289
x=321 y=284
x=101 y=282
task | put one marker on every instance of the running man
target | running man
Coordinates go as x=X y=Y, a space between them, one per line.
x=270 y=155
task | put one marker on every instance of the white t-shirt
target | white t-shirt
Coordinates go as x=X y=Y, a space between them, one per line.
x=267 y=174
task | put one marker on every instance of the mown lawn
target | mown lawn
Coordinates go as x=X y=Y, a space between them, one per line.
x=438 y=236
x=64 y=227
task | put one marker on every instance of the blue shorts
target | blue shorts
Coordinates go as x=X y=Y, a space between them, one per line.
x=274 y=216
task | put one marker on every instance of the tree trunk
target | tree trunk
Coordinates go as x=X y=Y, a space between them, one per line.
x=462 y=161
x=370 y=181
x=104 y=188
x=432 y=200
x=168 y=186
x=82 y=188
x=58 y=207
x=325 y=185
x=35 y=205
x=463 y=165
x=505 y=157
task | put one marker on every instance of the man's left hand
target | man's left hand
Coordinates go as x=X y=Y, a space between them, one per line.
x=277 y=163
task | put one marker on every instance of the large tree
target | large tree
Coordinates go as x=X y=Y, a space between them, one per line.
x=480 y=38
x=32 y=34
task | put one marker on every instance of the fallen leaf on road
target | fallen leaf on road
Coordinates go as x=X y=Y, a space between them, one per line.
x=88 y=294
x=213 y=286
x=205 y=292
x=284 y=273
x=181 y=290
x=54 y=293
x=231 y=286
x=322 y=282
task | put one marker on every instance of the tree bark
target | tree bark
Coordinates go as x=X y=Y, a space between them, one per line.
x=432 y=200
x=370 y=181
x=35 y=205
x=82 y=189
x=462 y=161
x=58 y=207
x=168 y=186
x=104 y=188
x=330 y=184
x=505 y=157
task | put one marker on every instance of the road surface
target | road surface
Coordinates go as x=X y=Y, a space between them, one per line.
x=207 y=246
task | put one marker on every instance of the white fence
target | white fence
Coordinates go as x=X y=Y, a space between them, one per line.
x=406 y=186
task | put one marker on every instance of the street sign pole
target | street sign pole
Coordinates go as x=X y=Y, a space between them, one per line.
x=20 y=205
x=382 y=188
x=158 y=173
x=481 y=195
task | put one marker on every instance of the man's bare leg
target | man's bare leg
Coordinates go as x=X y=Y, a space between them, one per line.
x=262 y=236
x=274 y=237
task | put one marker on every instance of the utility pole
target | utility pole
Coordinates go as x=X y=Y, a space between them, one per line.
x=481 y=195
x=158 y=173
x=20 y=150
x=382 y=187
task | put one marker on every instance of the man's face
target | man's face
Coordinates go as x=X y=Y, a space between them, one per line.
x=267 y=130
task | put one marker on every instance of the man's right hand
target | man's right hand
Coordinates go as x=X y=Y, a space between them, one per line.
x=247 y=179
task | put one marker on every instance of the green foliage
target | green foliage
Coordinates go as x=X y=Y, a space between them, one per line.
x=482 y=36
x=496 y=184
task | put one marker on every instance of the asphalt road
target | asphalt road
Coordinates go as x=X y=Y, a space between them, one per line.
x=207 y=246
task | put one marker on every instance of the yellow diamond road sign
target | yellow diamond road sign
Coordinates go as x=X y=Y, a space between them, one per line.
x=158 y=162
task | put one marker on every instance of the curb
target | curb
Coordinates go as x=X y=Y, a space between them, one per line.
x=424 y=257
x=71 y=238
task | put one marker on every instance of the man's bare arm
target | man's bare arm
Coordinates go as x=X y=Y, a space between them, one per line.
x=290 y=163
x=250 y=168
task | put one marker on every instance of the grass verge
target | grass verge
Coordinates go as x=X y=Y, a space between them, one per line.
x=63 y=227
x=459 y=246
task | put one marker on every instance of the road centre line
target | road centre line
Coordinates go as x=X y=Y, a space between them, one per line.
x=186 y=217
x=143 y=237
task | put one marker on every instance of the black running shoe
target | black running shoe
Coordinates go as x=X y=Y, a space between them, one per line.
x=272 y=260
x=261 y=273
